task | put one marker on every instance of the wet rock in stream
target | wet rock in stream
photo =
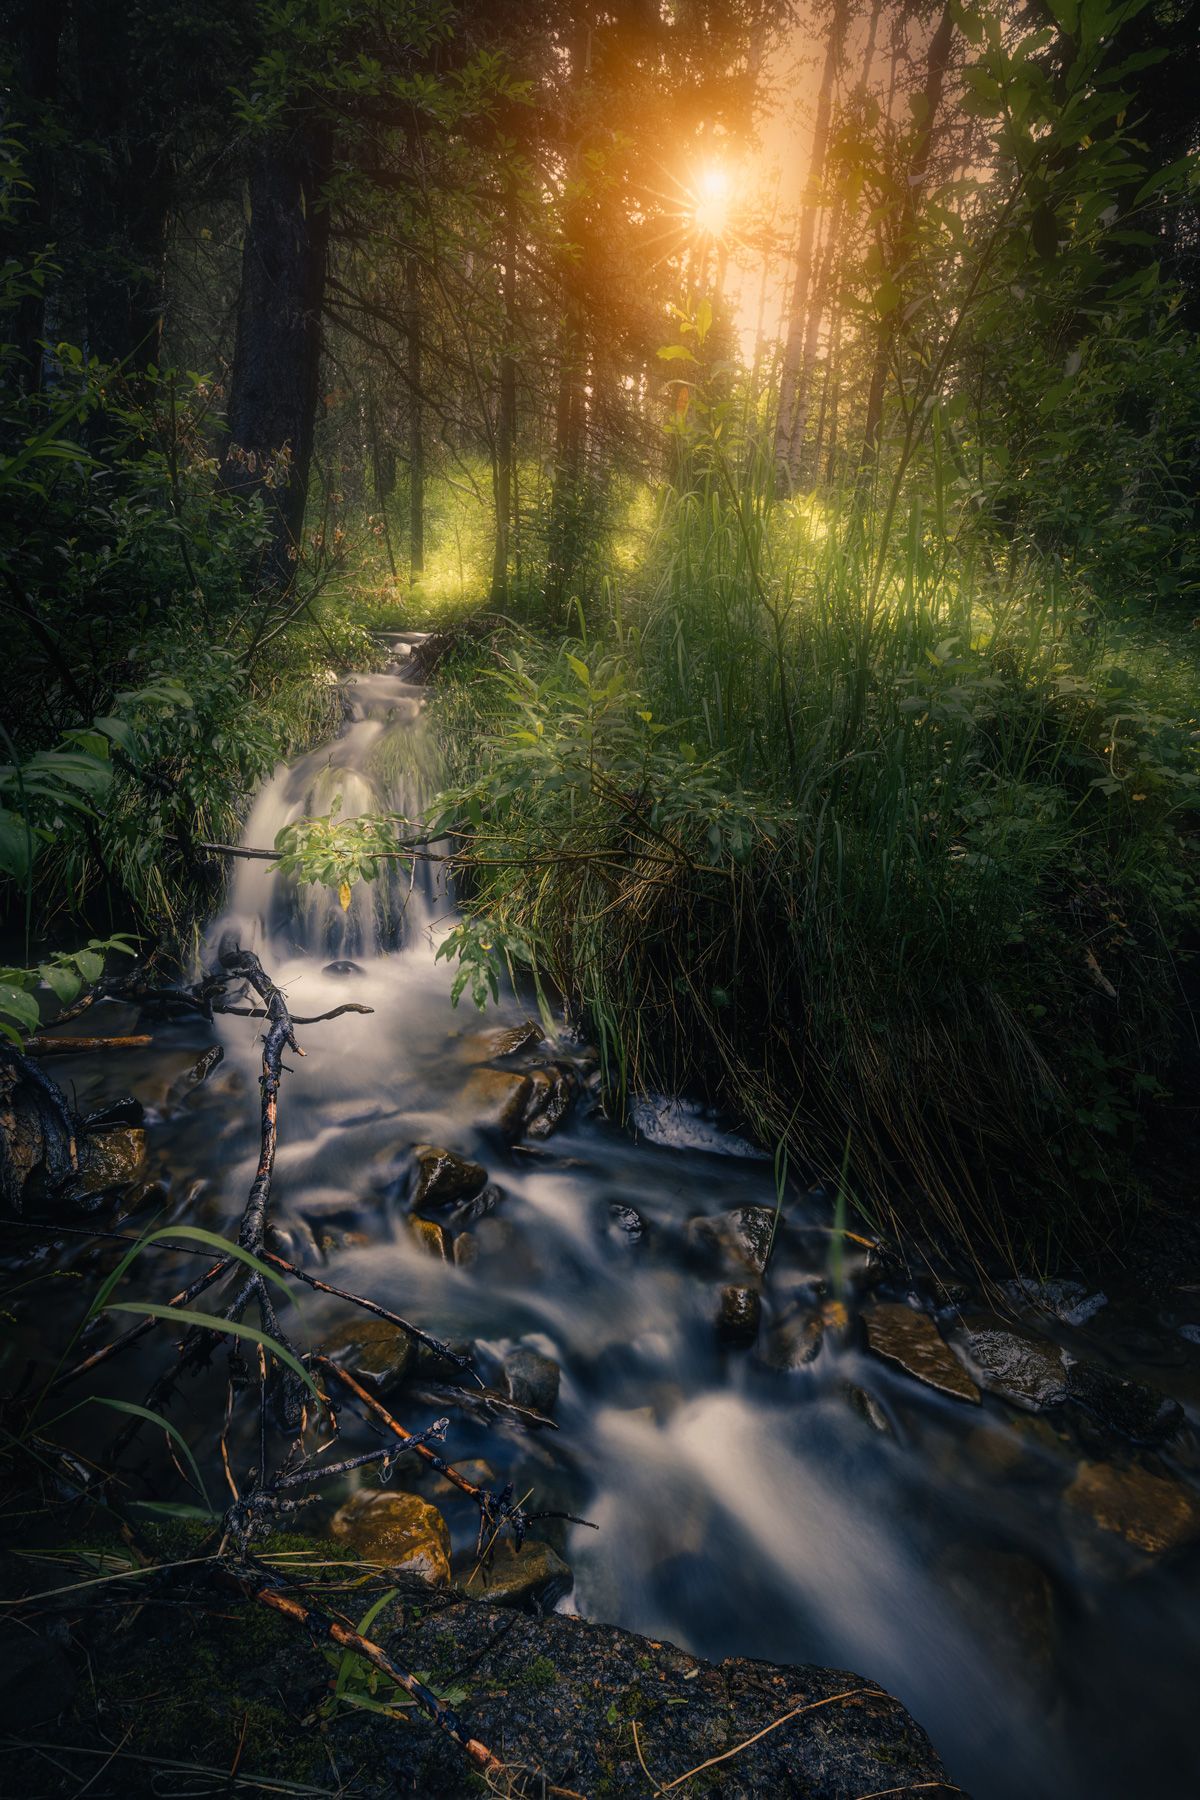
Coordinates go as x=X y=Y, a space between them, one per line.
x=1151 y=1512
x=444 y=1176
x=534 y=1577
x=1009 y=1600
x=399 y=1531
x=1131 y=1408
x=498 y=1100
x=377 y=1354
x=531 y=1379
x=793 y=1340
x=108 y=1160
x=741 y=1238
x=431 y=1237
x=35 y=1138
x=739 y=1314
x=624 y=1224
x=1026 y=1371
x=911 y=1341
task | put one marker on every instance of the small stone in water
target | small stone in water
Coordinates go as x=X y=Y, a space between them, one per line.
x=343 y=966
x=1132 y=1408
x=442 y=1175
x=534 y=1577
x=399 y=1531
x=1068 y=1301
x=739 y=1315
x=531 y=1379
x=431 y=1237
x=1026 y=1371
x=868 y=1409
x=377 y=1354
x=794 y=1340
x=498 y=1100
x=743 y=1235
x=909 y=1339
x=1149 y=1512
x=624 y=1223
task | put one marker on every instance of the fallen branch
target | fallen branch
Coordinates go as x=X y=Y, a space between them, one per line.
x=83 y=1046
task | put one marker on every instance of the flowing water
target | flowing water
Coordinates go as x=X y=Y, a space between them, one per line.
x=840 y=1513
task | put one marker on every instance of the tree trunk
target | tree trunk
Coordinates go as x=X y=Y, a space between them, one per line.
x=277 y=357
x=820 y=298
x=937 y=62
x=40 y=35
x=416 y=420
x=794 y=348
x=506 y=423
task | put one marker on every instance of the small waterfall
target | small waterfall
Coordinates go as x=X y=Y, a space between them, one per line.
x=381 y=763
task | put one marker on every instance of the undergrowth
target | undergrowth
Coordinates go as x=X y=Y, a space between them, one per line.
x=902 y=852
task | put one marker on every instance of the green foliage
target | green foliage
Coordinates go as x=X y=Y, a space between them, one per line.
x=65 y=973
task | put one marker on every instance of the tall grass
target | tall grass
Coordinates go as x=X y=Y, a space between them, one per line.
x=879 y=845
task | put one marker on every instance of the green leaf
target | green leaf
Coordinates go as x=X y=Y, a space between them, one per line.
x=18 y=1005
x=16 y=845
x=89 y=964
x=224 y=1327
x=197 y=1235
x=63 y=981
x=675 y=353
x=155 y=1418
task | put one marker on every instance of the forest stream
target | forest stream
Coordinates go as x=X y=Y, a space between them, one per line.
x=990 y=1542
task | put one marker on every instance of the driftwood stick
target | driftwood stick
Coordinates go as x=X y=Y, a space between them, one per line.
x=83 y=1046
x=380 y=1412
x=260 y=1012
x=320 y=1626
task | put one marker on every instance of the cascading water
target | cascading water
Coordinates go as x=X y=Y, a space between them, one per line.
x=836 y=1512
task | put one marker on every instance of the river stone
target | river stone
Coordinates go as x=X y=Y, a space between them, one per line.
x=466 y=1250
x=625 y=1225
x=741 y=1236
x=444 y=1176
x=431 y=1237
x=498 y=1100
x=1067 y=1301
x=399 y=1531
x=1009 y=1602
x=1132 y=1408
x=531 y=1379
x=469 y=1212
x=533 y=1578
x=35 y=1144
x=739 y=1314
x=507 y=1040
x=1026 y=1371
x=343 y=966
x=1148 y=1511
x=864 y=1403
x=793 y=1340
x=110 y=1159
x=911 y=1341
x=553 y=1090
x=377 y=1354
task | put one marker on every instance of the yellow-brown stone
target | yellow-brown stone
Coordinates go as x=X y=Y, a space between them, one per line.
x=399 y=1531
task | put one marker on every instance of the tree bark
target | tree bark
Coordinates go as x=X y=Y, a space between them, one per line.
x=277 y=358
x=785 y=422
x=936 y=65
x=416 y=420
x=506 y=422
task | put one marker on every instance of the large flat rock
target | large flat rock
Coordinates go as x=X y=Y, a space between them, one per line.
x=562 y=1695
